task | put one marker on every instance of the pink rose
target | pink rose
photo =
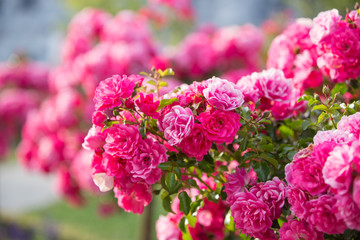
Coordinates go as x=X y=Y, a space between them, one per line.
x=223 y=95
x=220 y=126
x=94 y=139
x=337 y=136
x=133 y=197
x=297 y=200
x=111 y=91
x=148 y=106
x=324 y=24
x=305 y=172
x=273 y=194
x=322 y=215
x=251 y=215
x=337 y=170
x=196 y=144
x=247 y=86
x=113 y=165
x=167 y=229
x=349 y=211
x=143 y=166
x=273 y=85
x=356 y=191
x=122 y=140
x=295 y=229
x=237 y=181
x=177 y=124
x=350 y=124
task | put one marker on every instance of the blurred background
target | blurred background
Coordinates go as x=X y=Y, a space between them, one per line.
x=33 y=31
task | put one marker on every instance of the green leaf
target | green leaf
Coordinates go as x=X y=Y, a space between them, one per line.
x=169 y=72
x=262 y=170
x=165 y=102
x=192 y=220
x=182 y=224
x=339 y=88
x=286 y=132
x=185 y=202
x=271 y=160
x=321 y=117
x=223 y=194
x=144 y=73
x=167 y=204
x=166 y=166
x=194 y=205
x=207 y=164
x=305 y=124
x=178 y=172
x=171 y=183
x=304 y=98
x=320 y=107
x=163 y=84
x=151 y=82
x=142 y=130
x=162 y=181
x=192 y=182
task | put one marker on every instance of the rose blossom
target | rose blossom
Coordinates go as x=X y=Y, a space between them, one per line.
x=350 y=124
x=337 y=136
x=325 y=23
x=273 y=85
x=297 y=200
x=104 y=182
x=356 y=191
x=305 y=172
x=143 y=166
x=247 y=86
x=322 y=215
x=237 y=181
x=349 y=211
x=251 y=215
x=122 y=140
x=220 y=126
x=112 y=90
x=295 y=229
x=148 y=106
x=167 y=229
x=177 y=124
x=337 y=170
x=272 y=193
x=223 y=95
x=196 y=144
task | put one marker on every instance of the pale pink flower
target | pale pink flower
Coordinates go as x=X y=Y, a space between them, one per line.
x=337 y=170
x=104 y=182
x=350 y=124
x=94 y=139
x=177 y=124
x=167 y=229
x=223 y=95
x=337 y=136
x=220 y=126
x=273 y=85
x=348 y=210
x=247 y=86
x=324 y=24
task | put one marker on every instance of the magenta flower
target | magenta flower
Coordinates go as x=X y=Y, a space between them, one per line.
x=167 y=229
x=294 y=229
x=237 y=181
x=122 y=141
x=148 y=106
x=143 y=166
x=111 y=91
x=251 y=215
x=196 y=144
x=349 y=211
x=297 y=200
x=273 y=194
x=223 y=95
x=220 y=126
x=322 y=215
x=177 y=124
x=350 y=124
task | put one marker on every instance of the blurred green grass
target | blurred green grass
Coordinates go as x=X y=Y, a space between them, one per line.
x=67 y=222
